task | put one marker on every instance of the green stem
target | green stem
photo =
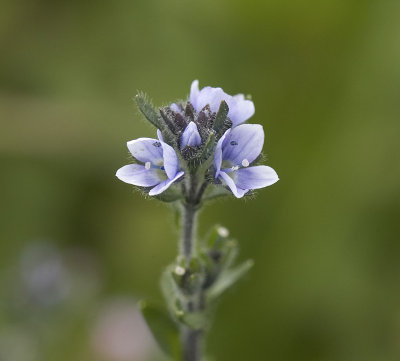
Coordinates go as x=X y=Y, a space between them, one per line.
x=192 y=344
x=188 y=238
x=191 y=339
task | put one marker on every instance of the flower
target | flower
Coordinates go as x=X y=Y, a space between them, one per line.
x=160 y=168
x=234 y=153
x=240 y=109
x=191 y=136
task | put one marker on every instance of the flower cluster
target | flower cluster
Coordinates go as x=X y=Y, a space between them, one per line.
x=202 y=146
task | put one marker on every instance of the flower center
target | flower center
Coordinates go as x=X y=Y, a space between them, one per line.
x=245 y=163
x=148 y=165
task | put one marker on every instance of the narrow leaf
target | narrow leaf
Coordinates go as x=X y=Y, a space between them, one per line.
x=228 y=278
x=148 y=110
x=164 y=330
x=194 y=320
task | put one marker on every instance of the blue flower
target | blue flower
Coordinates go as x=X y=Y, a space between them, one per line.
x=234 y=153
x=160 y=166
x=240 y=109
x=191 y=136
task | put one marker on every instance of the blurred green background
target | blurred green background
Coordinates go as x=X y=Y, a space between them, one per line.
x=78 y=247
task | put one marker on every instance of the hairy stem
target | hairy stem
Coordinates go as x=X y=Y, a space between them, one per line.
x=189 y=220
x=192 y=344
x=191 y=339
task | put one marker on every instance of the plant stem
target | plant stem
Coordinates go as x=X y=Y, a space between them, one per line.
x=192 y=347
x=191 y=339
x=189 y=220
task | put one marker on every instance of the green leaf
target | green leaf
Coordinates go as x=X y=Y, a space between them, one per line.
x=228 y=278
x=231 y=251
x=194 y=320
x=221 y=116
x=171 y=292
x=148 y=110
x=164 y=330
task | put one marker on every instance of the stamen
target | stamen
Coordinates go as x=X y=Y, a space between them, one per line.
x=157 y=144
x=180 y=271
x=236 y=167
x=234 y=142
x=147 y=165
x=245 y=163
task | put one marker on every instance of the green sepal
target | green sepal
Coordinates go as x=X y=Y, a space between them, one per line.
x=216 y=191
x=163 y=328
x=228 y=278
x=147 y=109
x=172 y=194
x=220 y=118
x=206 y=157
x=208 y=148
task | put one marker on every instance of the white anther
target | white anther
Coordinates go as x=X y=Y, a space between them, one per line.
x=236 y=167
x=180 y=271
x=147 y=165
x=223 y=232
x=245 y=163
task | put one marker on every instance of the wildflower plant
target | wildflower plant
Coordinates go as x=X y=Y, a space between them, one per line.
x=203 y=150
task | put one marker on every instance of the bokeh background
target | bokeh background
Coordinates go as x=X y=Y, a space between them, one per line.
x=78 y=248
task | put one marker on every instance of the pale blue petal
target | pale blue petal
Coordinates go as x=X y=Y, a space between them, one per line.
x=218 y=153
x=212 y=97
x=159 y=135
x=165 y=184
x=138 y=175
x=240 y=109
x=146 y=150
x=254 y=177
x=243 y=142
x=171 y=163
x=190 y=136
x=237 y=192
x=194 y=93
x=175 y=108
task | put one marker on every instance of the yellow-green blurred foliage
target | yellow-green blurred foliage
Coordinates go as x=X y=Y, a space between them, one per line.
x=325 y=80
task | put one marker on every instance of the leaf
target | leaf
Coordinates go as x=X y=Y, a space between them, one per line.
x=231 y=251
x=228 y=278
x=221 y=116
x=171 y=292
x=194 y=320
x=148 y=110
x=164 y=330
